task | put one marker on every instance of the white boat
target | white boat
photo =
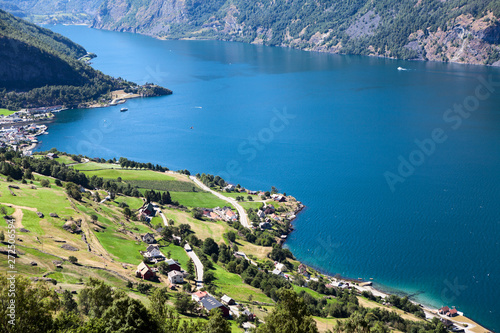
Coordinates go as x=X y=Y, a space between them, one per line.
x=401 y=69
x=123 y=109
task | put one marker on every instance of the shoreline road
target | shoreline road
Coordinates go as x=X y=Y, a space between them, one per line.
x=197 y=264
x=239 y=208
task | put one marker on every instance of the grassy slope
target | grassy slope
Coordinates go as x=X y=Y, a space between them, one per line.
x=5 y=112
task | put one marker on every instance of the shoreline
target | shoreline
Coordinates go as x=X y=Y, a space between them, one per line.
x=468 y=324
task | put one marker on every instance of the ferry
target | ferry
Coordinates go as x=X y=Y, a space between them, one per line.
x=123 y=109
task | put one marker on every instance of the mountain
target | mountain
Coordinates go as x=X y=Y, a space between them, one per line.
x=40 y=68
x=462 y=31
x=53 y=11
x=453 y=30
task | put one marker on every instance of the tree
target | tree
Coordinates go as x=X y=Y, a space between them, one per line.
x=210 y=246
x=184 y=228
x=128 y=315
x=231 y=235
x=217 y=323
x=73 y=259
x=197 y=213
x=289 y=316
x=127 y=212
x=208 y=277
x=190 y=267
x=158 y=302
x=2 y=236
x=184 y=304
x=144 y=288
x=68 y=304
x=35 y=305
x=95 y=298
x=73 y=191
x=165 y=198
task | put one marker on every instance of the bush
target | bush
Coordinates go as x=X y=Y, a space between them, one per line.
x=73 y=259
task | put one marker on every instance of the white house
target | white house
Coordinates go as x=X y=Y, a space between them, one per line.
x=175 y=277
x=281 y=267
x=153 y=251
x=229 y=187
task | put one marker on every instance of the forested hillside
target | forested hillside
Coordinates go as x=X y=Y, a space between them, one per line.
x=456 y=30
x=41 y=68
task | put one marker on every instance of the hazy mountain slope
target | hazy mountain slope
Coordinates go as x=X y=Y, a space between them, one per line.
x=454 y=30
x=53 y=11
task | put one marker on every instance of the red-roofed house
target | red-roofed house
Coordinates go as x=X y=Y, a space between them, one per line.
x=197 y=296
x=452 y=313
x=144 y=272
x=444 y=310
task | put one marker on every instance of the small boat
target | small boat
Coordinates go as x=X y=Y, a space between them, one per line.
x=402 y=69
x=123 y=109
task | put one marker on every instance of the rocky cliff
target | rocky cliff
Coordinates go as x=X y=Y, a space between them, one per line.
x=453 y=30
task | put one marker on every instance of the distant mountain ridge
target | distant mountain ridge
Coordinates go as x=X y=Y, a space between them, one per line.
x=460 y=31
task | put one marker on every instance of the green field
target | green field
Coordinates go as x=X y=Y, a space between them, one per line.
x=46 y=200
x=198 y=199
x=178 y=253
x=5 y=112
x=232 y=285
x=115 y=243
x=65 y=159
x=250 y=204
x=164 y=185
x=96 y=166
x=113 y=171
x=132 y=202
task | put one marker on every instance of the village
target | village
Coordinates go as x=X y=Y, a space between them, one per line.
x=20 y=129
x=176 y=275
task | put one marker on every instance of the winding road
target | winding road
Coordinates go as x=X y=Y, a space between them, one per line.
x=241 y=211
x=197 y=264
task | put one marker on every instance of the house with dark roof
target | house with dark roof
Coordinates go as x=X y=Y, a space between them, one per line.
x=269 y=209
x=209 y=303
x=147 y=211
x=173 y=265
x=148 y=238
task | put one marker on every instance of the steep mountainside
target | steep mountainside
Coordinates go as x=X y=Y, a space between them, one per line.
x=39 y=67
x=453 y=30
x=53 y=11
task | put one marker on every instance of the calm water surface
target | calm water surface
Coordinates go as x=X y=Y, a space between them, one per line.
x=326 y=129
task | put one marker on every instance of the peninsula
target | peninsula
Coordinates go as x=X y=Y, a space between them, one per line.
x=42 y=69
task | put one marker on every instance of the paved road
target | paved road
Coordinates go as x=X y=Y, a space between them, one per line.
x=165 y=221
x=241 y=211
x=197 y=264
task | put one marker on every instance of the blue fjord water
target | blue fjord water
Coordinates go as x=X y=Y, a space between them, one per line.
x=326 y=129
